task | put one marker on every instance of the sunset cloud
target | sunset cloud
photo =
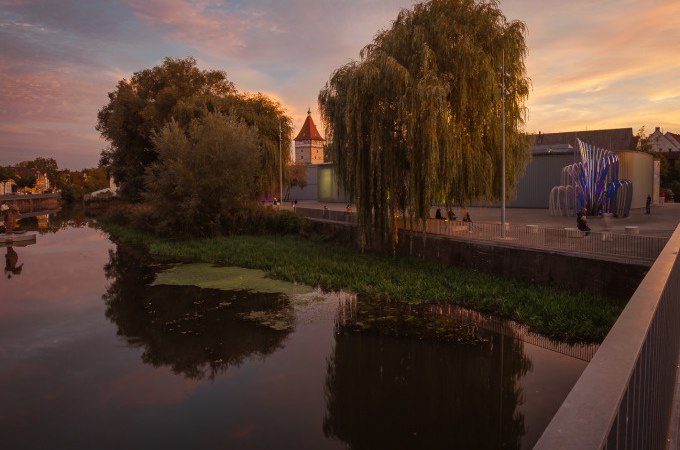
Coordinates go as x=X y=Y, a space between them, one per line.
x=610 y=63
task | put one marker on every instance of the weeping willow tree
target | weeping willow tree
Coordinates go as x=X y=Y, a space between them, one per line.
x=417 y=121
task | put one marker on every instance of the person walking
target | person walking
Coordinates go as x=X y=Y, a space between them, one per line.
x=648 y=205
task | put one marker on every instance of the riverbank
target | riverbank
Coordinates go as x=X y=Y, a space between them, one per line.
x=553 y=312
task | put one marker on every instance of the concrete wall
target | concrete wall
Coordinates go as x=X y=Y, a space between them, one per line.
x=610 y=278
x=543 y=172
x=638 y=167
x=329 y=190
x=309 y=192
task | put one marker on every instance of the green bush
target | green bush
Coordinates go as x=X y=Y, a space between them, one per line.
x=253 y=220
x=137 y=215
x=262 y=220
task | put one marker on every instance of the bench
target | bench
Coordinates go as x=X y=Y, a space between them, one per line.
x=632 y=230
x=532 y=229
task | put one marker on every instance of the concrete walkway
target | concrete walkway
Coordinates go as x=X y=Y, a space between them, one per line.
x=661 y=222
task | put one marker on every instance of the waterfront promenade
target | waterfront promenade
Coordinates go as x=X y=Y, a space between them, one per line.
x=536 y=228
x=661 y=222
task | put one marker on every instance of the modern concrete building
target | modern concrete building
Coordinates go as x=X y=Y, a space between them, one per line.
x=553 y=151
x=542 y=173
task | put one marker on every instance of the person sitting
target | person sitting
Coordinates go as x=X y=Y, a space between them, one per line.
x=348 y=208
x=582 y=221
x=438 y=214
x=451 y=214
x=466 y=217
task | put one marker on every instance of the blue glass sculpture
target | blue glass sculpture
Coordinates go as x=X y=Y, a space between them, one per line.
x=592 y=183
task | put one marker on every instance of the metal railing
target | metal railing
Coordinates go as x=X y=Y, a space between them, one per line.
x=645 y=248
x=633 y=247
x=624 y=397
x=327 y=214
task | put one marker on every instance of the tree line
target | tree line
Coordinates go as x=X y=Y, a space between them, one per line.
x=416 y=121
x=72 y=184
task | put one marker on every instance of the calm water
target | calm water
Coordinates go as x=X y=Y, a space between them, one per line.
x=91 y=356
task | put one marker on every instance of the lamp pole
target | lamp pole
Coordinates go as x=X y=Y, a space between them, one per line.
x=280 y=168
x=503 y=147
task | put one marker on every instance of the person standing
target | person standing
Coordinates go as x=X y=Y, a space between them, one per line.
x=648 y=205
x=582 y=221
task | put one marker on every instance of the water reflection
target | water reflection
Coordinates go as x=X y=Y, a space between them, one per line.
x=423 y=393
x=322 y=385
x=197 y=332
x=53 y=221
x=11 y=260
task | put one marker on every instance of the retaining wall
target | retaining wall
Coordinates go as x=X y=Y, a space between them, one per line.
x=608 y=277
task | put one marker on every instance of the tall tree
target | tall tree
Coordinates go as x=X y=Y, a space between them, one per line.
x=46 y=165
x=643 y=143
x=417 y=120
x=178 y=90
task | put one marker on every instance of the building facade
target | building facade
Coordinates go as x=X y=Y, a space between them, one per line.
x=551 y=152
x=664 y=142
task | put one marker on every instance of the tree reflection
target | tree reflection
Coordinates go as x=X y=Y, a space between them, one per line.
x=389 y=392
x=197 y=332
x=55 y=220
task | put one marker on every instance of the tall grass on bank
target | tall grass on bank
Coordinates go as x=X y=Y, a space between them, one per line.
x=551 y=311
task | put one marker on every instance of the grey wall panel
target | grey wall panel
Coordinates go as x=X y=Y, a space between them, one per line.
x=541 y=175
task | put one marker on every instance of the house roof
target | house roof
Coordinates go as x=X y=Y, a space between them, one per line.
x=674 y=136
x=616 y=139
x=309 y=131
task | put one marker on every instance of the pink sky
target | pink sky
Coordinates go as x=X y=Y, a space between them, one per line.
x=593 y=64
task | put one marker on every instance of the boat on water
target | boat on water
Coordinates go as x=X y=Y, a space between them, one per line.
x=18 y=237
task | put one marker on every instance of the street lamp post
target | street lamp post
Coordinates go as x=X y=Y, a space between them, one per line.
x=503 y=147
x=280 y=168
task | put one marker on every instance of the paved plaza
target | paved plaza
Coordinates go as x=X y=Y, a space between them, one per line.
x=661 y=222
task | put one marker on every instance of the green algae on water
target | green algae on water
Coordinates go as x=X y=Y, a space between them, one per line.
x=209 y=276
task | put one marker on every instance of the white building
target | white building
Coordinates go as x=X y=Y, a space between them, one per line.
x=6 y=187
x=664 y=142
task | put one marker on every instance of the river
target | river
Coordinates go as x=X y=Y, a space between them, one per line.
x=93 y=355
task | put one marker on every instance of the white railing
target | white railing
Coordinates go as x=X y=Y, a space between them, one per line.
x=632 y=247
x=623 y=399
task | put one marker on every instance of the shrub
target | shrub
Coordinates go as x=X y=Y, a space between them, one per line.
x=137 y=215
x=201 y=175
x=260 y=220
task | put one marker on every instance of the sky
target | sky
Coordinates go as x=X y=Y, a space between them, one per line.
x=593 y=63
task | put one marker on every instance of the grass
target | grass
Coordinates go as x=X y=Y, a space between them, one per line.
x=554 y=312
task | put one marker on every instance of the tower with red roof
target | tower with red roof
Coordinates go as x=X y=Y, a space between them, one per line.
x=309 y=143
